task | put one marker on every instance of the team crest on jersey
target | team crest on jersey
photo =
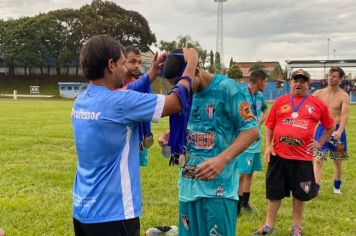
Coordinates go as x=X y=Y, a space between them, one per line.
x=306 y=186
x=286 y=108
x=220 y=191
x=210 y=109
x=310 y=109
x=245 y=111
x=185 y=221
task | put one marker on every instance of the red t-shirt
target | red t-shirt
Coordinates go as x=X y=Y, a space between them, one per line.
x=293 y=135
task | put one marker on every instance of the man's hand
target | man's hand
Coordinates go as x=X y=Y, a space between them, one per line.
x=163 y=139
x=337 y=134
x=211 y=168
x=268 y=151
x=157 y=63
x=313 y=146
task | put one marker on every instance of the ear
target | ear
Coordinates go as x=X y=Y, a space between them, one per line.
x=197 y=72
x=110 y=65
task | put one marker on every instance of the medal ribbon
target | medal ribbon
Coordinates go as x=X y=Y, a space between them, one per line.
x=296 y=108
x=254 y=104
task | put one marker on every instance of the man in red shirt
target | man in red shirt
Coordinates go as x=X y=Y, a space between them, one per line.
x=290 y=126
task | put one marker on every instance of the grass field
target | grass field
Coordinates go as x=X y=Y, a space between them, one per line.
x=37 y=167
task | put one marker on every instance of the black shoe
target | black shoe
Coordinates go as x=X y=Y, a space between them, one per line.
x=247 y=208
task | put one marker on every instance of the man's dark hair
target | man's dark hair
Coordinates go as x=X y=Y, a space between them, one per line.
x=258 y=74
x=96 y=53
x=337 y=69
x=130 y=49
x=174 y=64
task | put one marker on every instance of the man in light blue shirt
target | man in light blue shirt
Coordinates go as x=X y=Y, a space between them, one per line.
x=107 y=190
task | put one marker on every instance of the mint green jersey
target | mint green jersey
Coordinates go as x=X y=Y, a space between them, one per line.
x=219 y=113
x=258 y=105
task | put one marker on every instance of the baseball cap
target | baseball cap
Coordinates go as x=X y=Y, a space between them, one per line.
x=301 y=73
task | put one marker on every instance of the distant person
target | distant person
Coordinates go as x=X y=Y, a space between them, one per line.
x=220 y=127
x=107 y=189
x=337 y=101
x=133 y=64
x=290 y=127
x=250 y=160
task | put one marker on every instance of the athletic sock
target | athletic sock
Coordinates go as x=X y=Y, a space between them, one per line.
x=317 y=187
x=337 y=184
x=239 y=204
x=246 y=196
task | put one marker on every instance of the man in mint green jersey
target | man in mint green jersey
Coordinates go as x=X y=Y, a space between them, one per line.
x=250 y=160
x=221 y=126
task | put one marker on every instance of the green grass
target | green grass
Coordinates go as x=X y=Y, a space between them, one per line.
x=37 y=167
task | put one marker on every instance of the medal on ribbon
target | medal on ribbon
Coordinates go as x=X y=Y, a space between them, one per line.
x=295 y=113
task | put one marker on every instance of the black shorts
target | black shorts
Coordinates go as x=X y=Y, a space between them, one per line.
x=285 y=175
x=129 y=227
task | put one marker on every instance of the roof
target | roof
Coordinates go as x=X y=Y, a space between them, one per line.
x=321 y=63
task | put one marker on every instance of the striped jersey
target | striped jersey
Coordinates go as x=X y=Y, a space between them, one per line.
x=105 y=127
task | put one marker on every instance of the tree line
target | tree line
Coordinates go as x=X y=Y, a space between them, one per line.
x=57 y=36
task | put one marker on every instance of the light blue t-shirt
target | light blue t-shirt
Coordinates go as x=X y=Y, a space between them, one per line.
x=258 y=105
x=219 y=113
x=105 y=126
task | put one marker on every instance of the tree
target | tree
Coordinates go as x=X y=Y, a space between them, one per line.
x=218 y=66
x=167 y=46
x=257 y=65
x=212 y=63
x=128 y=27
x=277 y=73
x=203 y=56
x=231 y=62
x=235 y=72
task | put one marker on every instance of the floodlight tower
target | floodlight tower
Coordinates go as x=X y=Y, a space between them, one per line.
x=220 y=30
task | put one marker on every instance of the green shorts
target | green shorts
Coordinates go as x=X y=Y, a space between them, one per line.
x=249 y=162
x=208 y=216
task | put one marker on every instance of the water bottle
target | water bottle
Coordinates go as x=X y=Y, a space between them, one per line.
x=143 y=157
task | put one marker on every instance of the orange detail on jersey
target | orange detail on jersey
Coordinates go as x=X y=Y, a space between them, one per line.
x=245 y=111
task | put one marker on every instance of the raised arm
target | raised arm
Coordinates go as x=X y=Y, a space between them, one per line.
x=172 y=103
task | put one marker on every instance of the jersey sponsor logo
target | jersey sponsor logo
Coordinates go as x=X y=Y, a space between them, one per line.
x=85 y=115
x=185 y=221
x=195 y=114
x=285 y=108
x=83 y=202
x=298 y=123
x=290 y=141
x=220 y=191
x=210 y=109
x=201 y=140
x=245 y=111
x=310 y=108
x=306 y=186
x=214 y=231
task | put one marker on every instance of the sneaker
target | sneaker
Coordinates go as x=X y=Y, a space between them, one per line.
x=247 y=208
x=295 y=230
x=337 y=191
x=162 y=231
x=263 y=230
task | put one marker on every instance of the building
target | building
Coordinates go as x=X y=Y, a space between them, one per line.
x=270 y=66
x=71 y=89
